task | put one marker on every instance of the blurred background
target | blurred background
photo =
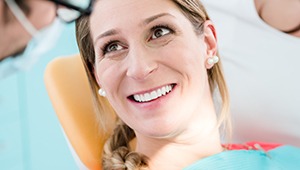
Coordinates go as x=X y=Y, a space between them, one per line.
x=30 y=134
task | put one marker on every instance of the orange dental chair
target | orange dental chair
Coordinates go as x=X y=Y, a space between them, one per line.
x=71 y=97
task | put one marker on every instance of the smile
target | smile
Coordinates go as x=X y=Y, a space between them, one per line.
x=147 y=97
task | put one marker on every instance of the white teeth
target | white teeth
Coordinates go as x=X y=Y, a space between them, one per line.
x=159 y=93
x=147 y=96
x=153 y=95
x=164 y=91
x=137 y=98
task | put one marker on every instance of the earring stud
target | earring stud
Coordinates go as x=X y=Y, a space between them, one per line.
x=213 y=60
x=216 y=59
x=102 y=92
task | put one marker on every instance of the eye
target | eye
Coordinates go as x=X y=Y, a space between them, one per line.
x=160 y=31
x=111 y=47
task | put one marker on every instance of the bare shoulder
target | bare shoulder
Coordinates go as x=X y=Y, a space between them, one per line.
x=280 y=14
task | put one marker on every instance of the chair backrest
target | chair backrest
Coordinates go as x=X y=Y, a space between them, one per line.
x=71 y=97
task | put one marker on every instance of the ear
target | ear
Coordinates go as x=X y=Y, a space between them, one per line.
x=210 y=40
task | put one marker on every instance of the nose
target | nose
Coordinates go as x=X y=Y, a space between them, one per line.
x=141 y=63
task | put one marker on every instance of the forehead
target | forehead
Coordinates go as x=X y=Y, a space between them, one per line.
x=108 y=14
x=117 y=7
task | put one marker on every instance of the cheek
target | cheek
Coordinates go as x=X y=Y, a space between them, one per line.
x=108 y=74
x=102 y=74
x=185 y=56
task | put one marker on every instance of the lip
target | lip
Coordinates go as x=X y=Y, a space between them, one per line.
x=155 y=102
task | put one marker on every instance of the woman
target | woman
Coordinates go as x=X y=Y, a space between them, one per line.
x=156 y=63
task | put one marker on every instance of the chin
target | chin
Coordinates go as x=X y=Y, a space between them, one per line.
x=160 y=131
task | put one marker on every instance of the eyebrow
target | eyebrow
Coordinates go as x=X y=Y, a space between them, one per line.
x=145 y=22
x=150 y=19
x=106 y=34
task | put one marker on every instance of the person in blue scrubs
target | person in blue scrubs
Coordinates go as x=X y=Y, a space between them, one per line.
x=30 y=28
x=32 y=33
x=157 y=64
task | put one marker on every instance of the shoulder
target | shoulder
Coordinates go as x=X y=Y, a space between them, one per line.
x=253 y=155
x=282 y=156
x=288 y=157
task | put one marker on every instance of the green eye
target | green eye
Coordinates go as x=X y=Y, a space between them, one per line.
x=159 y=32
x=112 y=47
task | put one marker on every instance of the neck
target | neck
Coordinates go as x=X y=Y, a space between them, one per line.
x=182 y=150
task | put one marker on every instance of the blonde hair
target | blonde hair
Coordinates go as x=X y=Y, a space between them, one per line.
x=117 y=153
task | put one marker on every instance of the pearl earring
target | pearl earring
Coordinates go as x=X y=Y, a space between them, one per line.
x=213 y=60
x=102 y=92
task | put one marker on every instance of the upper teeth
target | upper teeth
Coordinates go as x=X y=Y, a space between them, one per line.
x=152 y=95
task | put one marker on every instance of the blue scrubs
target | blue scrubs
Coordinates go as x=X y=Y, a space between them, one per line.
x=280 y=158
x=30 y=134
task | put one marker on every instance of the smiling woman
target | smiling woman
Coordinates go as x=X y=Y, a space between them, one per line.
x=156 y=63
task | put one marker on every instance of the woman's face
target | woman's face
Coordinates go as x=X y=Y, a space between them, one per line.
x=151 y=64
